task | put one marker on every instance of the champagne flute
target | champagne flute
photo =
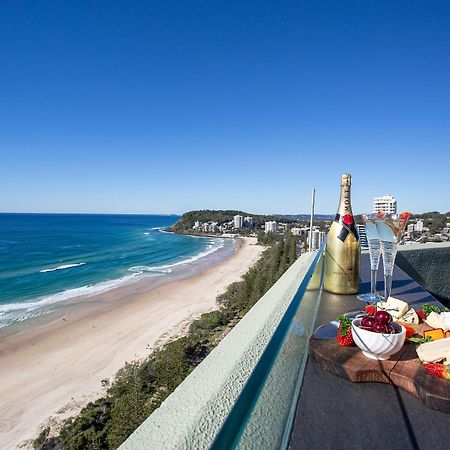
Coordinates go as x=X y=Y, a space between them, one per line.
x=390 y=231
x=373 y=241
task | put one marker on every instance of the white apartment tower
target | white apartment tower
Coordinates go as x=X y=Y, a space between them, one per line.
x=270 y=226
x=317 y=239
x=386 y=203
x=238 y=221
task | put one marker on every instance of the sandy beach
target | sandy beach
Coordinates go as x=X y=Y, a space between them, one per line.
x=48 y=372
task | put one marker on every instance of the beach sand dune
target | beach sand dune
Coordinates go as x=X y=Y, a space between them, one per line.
x=50 y=371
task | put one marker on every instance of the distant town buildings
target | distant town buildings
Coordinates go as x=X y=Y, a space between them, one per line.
x=299 y=231
x=213 y=227
x=419 y=230
x=362 y=236
x=386 y=203
x=238 y=221
x=270 y=227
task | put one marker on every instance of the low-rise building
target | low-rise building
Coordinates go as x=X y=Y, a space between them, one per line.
x=213 y=227
x=418 y=226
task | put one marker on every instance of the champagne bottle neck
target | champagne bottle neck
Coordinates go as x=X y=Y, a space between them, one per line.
x=345 y=206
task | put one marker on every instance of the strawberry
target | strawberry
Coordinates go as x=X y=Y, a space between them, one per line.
x=404 y=216
x=370 y=310
x=438 y=370
x=344 y=335
x=426 y=309
x=421 y=314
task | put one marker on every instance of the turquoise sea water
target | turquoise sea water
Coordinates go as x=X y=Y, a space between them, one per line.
x=49 y=258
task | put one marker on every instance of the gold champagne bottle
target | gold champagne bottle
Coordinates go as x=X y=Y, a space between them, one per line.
x=343 y=248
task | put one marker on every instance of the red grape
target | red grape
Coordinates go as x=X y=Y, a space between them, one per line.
x=378 y=327
x=383 y=317
x=389 y=328
x=367 y=322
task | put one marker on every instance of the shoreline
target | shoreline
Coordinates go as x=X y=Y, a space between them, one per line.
x=142 y=283
x=50 y=371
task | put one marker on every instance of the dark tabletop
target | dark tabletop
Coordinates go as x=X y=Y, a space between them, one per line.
x=334 y=413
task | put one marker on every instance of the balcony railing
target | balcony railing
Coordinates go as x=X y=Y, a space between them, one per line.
x=244 y=393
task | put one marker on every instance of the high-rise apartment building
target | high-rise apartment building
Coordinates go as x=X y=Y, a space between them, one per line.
x=270 y=226
x=386 y=203
x=248 y=222
x=317 y=239
x=238 y=221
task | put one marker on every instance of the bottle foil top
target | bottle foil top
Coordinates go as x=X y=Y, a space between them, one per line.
x=346 y=179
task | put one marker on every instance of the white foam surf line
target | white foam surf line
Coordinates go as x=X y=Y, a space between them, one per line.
x=164 y=231
x=64 y=266
x=27 y=307
x=212 y=247
x=12 y=312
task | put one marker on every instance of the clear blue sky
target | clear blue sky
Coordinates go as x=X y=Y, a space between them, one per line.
x=165 y=106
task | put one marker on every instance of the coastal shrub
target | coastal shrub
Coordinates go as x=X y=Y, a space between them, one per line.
x=130 y=409
x=140 y=387
x=88 y=429
x=208 y=321
x=42 y=438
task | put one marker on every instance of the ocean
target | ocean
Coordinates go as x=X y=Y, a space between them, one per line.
x=47 y=259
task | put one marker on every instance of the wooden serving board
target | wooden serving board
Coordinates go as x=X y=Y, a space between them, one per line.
x=403 y=370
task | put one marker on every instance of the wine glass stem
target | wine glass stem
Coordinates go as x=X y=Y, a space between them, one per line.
x=387 y=286
x=373 y=281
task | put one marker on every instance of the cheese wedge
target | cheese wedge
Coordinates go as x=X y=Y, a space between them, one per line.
x=447 y=358
x=410 y=316
x=395 y=307
x=434 y=351
x=446 y=317
x=435 y=320
x=435 y=334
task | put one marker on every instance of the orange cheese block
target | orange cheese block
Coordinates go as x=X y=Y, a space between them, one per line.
x=447 y=334
x=434 y=333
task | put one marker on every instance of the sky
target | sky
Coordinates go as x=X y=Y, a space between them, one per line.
x=168 y=106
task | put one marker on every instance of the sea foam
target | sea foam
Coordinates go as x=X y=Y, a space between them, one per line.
x=64 y=266
x=12 y=312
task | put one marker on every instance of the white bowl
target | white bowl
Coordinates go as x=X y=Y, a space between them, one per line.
x=379 y=346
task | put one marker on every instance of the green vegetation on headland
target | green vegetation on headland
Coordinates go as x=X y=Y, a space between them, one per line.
x=140 y=387
x=187 y=220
